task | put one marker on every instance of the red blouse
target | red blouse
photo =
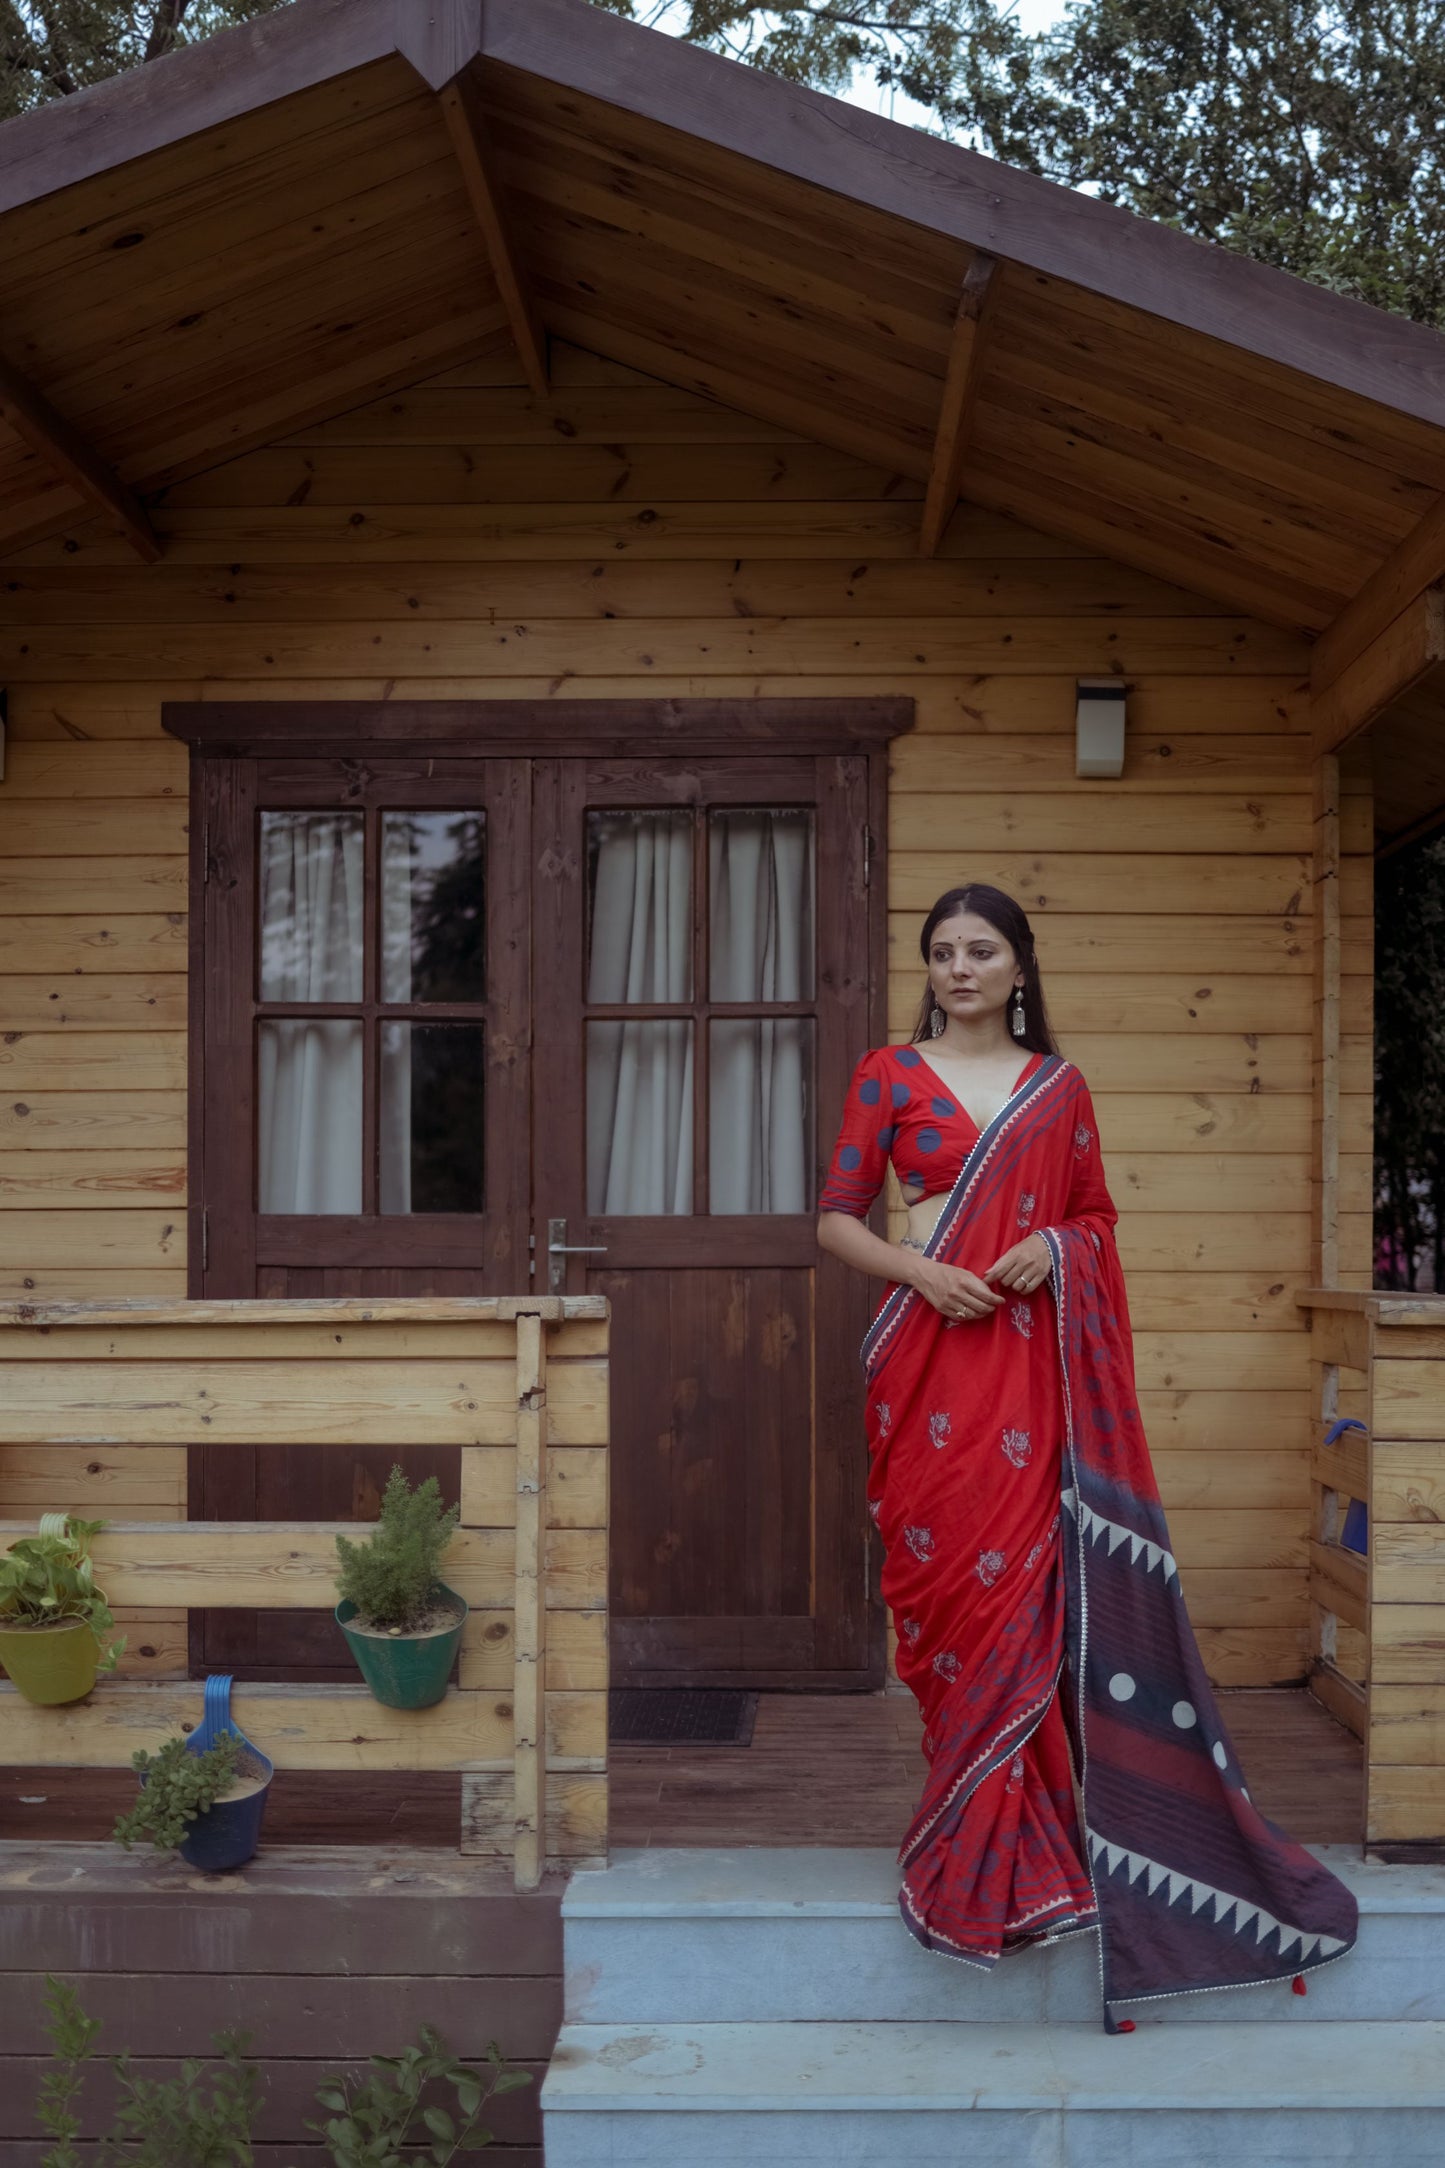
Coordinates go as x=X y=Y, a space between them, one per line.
x=899 y=1108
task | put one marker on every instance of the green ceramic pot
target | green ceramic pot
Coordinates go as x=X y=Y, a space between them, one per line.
x=406 y=1671
x=51 y=1664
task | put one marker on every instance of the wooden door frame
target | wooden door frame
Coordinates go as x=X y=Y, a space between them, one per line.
x=251 y=730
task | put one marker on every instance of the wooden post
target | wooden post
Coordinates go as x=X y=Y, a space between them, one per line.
x=1325 y=1117
x=529 y=1736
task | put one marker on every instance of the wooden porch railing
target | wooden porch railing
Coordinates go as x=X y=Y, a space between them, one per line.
x=1378 y=1611
x=98 y=1404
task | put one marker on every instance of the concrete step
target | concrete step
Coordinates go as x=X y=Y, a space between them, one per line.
x=945 y=2095
x=696 y=1936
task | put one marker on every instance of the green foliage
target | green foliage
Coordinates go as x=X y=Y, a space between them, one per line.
x=942 y=54
x=176 y=1787
x=47 y=1578
x=71 y=2033
x=198 y=2119
x=391 y=1578
x=203 y=2118
x=1410 y=1066
x=1304 y=133
x=381 y=2121
x=50 y=48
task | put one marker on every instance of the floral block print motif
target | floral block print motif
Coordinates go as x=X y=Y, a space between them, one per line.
x=939 y=1426
x=1016 y=1447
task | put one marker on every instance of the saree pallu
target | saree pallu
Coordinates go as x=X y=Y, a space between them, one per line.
x=1080 y=1775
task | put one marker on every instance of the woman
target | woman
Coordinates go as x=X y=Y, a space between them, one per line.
x=1025 y=1548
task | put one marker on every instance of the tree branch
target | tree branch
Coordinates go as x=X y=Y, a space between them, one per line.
x=165 y=28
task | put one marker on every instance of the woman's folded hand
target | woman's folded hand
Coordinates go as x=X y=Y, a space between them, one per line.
x=953 y=1290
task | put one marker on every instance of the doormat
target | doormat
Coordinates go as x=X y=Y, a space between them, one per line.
x=680 y=1716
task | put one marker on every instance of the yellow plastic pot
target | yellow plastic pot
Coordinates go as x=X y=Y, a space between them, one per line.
x=51 y=1664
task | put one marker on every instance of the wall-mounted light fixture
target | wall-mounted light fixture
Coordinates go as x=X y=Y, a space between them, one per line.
x=1099 y=727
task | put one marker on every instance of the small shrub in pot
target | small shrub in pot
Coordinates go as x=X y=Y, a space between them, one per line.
x=401 y=1621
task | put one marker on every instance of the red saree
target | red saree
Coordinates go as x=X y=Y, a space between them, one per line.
x=1025 y=1549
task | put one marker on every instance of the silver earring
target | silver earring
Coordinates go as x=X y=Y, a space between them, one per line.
x=1016 y=1022
x=937 y=1022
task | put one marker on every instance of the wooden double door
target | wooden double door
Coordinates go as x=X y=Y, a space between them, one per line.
x=490 y=1024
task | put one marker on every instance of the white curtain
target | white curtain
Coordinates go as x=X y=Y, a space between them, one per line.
x=310 y=1073
x=759 y=1079
x=639 y=1075
x=393 y=1113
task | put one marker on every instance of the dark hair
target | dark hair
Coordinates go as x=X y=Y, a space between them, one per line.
x=1007 y=918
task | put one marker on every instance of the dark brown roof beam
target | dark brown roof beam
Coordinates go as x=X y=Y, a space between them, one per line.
x=1411 y=647
x=63 y=449
x=960 y=395
x=467 y=127
x=1415 y=563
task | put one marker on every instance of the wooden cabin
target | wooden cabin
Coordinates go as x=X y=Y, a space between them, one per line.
x=531 y=555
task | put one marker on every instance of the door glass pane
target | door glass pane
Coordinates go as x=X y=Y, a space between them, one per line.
x=432 y=915
x=432 y=1080
x=309 y=1101
x=639 y=918
x=639 y=1117
x=312 y=908
x=760 y=1114
x=760 y=888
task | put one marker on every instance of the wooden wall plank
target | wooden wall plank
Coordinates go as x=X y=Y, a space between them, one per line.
x=291 y=1565
x=389 y=1402
x=317 y=1727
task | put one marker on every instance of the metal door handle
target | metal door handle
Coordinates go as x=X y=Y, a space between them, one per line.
x=559 y=1247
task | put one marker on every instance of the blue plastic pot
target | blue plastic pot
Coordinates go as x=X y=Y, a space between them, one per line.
x=226 y=1835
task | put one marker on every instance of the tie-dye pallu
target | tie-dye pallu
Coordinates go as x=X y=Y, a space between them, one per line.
x=1040 y=1619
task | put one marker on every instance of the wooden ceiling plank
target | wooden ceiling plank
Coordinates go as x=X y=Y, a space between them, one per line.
x=272 y=323
x=1310 y=534
x=247 y=190
x=32 y=417
x=1407 y=650
x=829 y=257
x=466 y=126
x=703 y=319
x=394 y=357
x=259 y=236
x=976 y=303
x=717 y=379
x=1213 y=369
x=1213 y=427
x=1416 y=563
x=1225 y=527
x=589 y=260
x=1135 y=537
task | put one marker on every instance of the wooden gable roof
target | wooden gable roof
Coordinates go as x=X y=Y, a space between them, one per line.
x=352 y=194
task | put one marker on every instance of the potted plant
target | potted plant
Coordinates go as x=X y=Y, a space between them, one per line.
x=53 y=1618
x=206 y=1805
x=401 y=1622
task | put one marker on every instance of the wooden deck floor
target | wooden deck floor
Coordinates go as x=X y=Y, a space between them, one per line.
x=847 y=1769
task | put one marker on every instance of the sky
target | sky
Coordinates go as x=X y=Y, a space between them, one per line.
x=1032 y=15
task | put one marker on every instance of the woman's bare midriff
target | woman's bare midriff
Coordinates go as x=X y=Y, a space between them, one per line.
x=923 y=1217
